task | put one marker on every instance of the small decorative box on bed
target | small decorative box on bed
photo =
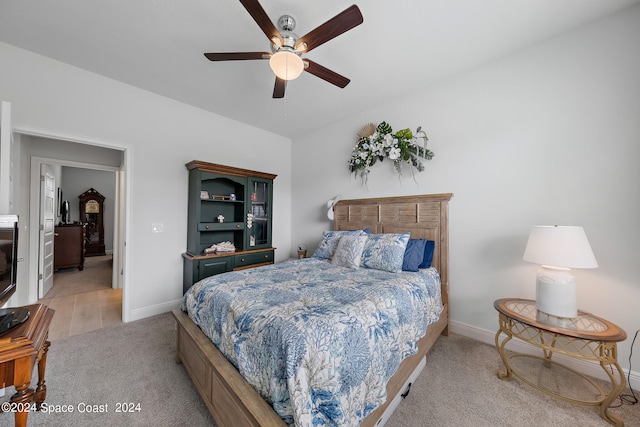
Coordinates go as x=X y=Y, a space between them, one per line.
x=326 y=340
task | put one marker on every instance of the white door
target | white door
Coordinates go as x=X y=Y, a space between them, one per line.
x=47 y=223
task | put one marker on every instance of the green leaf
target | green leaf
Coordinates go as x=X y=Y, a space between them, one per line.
x=384 y=128
x=404 y=134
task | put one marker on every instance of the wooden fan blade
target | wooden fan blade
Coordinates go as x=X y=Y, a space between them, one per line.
x=326 y=74
x=262 y=19
x=279 y=87
x=237 y=56
x=341 y=23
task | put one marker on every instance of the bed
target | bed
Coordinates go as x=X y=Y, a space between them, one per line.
x=233 y=401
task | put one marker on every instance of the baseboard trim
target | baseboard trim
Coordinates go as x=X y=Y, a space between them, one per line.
x=587 y=367
x=152 y=310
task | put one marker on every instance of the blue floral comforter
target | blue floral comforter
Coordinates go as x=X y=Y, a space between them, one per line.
x=319 y=342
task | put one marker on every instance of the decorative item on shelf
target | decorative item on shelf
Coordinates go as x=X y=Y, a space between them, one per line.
x=220 y=218
x=232 y=196
x=558 y=249
x=204 y=194
x=249 y=220
x=302 y=251
x=330 y=204
x=222 y=247
x=220 y=197
x=377 y=142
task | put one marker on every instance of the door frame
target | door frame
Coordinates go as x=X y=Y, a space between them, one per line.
x=122 y=210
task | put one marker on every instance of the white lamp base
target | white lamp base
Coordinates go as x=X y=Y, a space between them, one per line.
x=556 y=292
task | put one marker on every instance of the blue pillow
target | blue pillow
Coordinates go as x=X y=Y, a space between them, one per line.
x=414 y=255
x=428 y=254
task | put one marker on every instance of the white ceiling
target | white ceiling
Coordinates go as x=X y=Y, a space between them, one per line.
x=158 y=45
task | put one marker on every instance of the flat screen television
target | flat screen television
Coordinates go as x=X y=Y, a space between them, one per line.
x=8 y=256
x=9 y=317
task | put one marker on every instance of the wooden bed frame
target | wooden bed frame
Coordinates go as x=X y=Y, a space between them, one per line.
x=234 y=402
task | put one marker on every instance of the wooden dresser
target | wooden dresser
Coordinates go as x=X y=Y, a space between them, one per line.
x=68 y=246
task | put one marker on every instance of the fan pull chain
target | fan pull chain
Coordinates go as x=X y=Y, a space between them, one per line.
x=284 y=105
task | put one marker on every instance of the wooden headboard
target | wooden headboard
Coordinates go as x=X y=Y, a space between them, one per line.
x=425 y=217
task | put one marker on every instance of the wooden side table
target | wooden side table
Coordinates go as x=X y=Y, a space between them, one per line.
x=20 y=349
x=586 y=337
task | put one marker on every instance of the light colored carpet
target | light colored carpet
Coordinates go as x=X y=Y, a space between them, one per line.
x=134 y=363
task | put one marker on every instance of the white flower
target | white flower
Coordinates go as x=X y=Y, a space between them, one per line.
x=394 y=153
x=364 y=154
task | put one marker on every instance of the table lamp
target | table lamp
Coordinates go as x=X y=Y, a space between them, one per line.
x=558 y=249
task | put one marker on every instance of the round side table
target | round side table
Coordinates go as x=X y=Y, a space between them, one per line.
x=585 y=337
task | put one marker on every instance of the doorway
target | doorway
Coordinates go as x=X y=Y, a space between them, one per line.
x=47 y=148
x=84 y=292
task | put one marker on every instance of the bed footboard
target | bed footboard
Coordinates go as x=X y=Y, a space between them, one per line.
x=230 y=399
x=233 y=402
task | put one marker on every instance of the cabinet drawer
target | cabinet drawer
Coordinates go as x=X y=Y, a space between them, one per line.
x=216 y=226
x=252 y=258
x=213 y=266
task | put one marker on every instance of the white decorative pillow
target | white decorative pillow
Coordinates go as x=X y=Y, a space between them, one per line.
x=330 y=242
x=349 y=251
x=385 y=251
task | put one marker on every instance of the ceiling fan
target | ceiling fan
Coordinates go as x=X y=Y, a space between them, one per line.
x=285 y=58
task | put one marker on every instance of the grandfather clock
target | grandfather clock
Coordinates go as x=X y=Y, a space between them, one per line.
x=92 y=215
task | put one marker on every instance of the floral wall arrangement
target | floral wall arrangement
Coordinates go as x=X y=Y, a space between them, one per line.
x=377 y=142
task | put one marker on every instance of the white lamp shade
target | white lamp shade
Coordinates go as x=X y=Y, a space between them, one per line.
x=559 y=246
x=286 y=65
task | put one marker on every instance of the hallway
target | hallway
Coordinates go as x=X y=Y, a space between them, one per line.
x=83 y=300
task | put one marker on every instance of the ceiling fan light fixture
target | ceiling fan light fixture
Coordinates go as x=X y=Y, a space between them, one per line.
x=286 y=64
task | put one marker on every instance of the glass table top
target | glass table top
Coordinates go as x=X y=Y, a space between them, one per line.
x=584 y=325
x=585 y=322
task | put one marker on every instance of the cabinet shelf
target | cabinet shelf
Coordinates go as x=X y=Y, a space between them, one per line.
x=241 y=202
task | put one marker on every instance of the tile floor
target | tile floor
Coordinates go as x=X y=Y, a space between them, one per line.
x=81 y=302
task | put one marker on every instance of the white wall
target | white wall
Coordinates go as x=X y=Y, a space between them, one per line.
x=162 y=135
x=548 y=135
